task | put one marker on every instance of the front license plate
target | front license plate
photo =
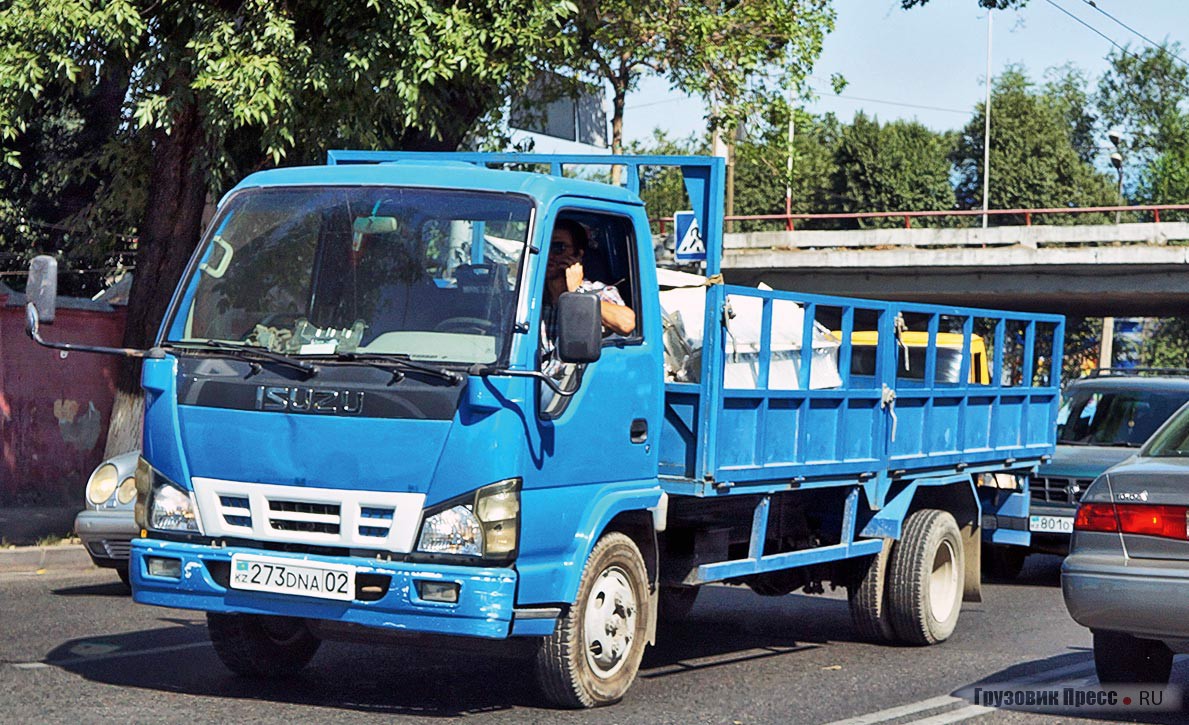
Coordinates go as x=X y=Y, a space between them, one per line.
x=293 y=576
x=1051 y=524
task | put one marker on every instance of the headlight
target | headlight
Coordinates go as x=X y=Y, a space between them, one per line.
x=1003 y=481
x=484 y=524
x=126 y=493
x=161 y=504
x=102 y=484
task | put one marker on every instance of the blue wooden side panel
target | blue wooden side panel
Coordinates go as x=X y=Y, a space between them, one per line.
x=887 y=421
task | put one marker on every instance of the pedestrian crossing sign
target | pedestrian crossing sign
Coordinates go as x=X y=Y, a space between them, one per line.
x=690 y=247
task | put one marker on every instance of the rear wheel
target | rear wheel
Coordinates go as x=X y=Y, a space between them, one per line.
x=868 y=600
x=594 y=652
x=926 y=576
x=1121 y=658
x=259 y=646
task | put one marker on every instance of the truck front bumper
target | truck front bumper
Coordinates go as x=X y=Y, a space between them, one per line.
x=486 y=596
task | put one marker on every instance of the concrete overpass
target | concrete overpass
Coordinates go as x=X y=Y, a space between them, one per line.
x=1116 y=270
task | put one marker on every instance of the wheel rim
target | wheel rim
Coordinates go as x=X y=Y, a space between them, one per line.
x=609 y=622
x=943 y=582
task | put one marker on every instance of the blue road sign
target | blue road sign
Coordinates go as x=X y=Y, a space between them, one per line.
x=690 y=247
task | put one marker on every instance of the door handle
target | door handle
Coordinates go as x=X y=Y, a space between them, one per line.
x=639 y=430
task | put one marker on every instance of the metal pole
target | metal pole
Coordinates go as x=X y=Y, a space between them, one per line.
x=788 y=169
x=987 y=127
x=1106 y=351
x=1119 y=213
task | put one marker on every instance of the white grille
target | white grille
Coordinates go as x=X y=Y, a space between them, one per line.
x=321 y=516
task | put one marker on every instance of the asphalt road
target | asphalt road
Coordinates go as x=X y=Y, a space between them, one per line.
x=74 y=648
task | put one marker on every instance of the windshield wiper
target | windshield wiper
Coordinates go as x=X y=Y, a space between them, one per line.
x=399 y=365
x=248 y=353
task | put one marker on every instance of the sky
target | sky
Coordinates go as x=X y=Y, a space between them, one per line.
x=929 y=63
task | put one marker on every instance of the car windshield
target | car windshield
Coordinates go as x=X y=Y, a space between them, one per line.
x=1172 y=441
x=423 y=273
x=1114 y=418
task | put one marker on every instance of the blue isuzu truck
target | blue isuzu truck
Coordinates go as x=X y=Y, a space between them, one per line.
x=369 y=408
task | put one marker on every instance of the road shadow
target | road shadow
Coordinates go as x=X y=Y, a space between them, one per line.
x=114 y=588
x=1072 y=671
x=443 y=676
x=1040 y=570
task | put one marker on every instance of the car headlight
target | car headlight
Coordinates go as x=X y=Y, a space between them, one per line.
x=102 y=484
x=126 y=493
x=483 y=524
x=1002 y=481
x=161 y=504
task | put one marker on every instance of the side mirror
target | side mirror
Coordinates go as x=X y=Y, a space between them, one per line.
x=42 y=288
x=579 y=328
x=32 y=323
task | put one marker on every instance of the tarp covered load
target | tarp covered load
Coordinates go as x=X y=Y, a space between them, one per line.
x=683 y=301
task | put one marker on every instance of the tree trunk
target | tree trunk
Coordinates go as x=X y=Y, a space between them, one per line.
x=619 y=96
x=168 y=235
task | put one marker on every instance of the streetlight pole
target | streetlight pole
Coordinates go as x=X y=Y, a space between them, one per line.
x=987 y=128
x=1116 y=137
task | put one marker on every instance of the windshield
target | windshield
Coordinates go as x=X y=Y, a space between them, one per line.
x=428 y=274
x=1117 y=418
x=1173 y=440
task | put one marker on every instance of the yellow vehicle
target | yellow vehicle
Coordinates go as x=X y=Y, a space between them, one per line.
x=912 y=367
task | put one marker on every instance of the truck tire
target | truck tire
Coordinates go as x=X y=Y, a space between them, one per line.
x=125 y=576
x=258 y=646
x=868 y=599
x=1122 y=658
x=592 y=657
x=926 y=573
x=1003 y=562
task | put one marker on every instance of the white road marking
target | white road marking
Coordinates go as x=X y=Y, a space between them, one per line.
x=962 y=713
x=1077 y=669
x=108 y=656
x=893 y=713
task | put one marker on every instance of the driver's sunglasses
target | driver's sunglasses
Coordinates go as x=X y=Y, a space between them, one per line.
x=560 y=248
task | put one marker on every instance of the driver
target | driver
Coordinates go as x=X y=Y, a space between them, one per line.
x=564 y=273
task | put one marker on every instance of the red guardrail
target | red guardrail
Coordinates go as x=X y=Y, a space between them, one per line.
x=908 y=216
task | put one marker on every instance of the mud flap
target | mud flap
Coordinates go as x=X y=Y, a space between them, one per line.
x=972 y=591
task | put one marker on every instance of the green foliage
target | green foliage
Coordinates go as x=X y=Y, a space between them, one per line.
x=269 y=82
x=736 y=55
x=1145 y=95
x=900 y=165
x=1034 y=160
x=761 y=164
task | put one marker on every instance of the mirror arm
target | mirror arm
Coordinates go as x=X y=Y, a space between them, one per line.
x=34 y=333
x=485 y=370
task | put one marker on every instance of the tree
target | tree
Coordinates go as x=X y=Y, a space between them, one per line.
x=900 y=165
x=721 y=50
x=761 y=164
x=1145 y=95
x=219 y=88
x=1034 y=162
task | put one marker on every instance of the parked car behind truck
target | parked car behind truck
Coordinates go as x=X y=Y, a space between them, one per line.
x=107 y=525
x=350 y=422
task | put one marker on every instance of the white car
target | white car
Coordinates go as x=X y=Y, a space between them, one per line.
x=107 y=525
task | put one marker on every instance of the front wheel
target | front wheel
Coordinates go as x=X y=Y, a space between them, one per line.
x=926 y=576
x=594 y=652
x=258 y=646
x=1121 y=658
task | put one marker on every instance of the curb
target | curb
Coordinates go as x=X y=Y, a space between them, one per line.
x=31 y=559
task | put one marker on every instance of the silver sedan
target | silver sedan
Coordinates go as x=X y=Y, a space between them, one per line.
x=107 y=525
x=1127 y=575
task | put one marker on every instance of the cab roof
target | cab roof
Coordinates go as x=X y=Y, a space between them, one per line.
x=441 y=175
